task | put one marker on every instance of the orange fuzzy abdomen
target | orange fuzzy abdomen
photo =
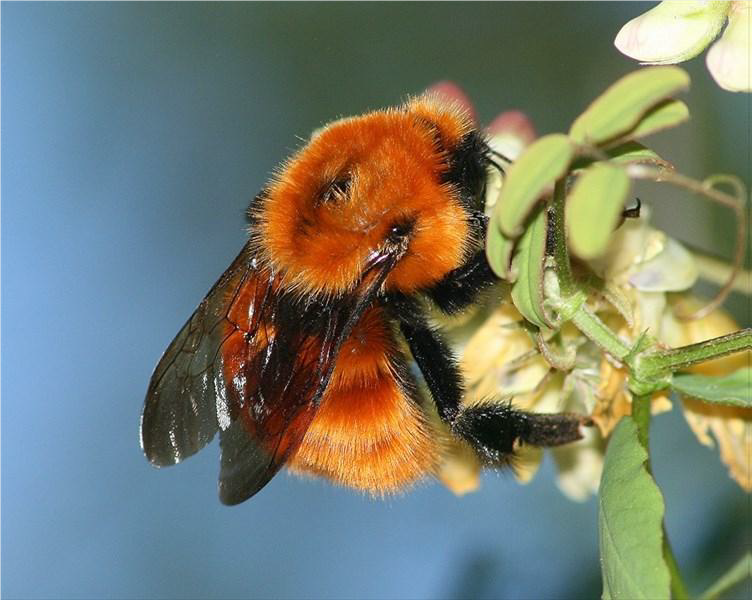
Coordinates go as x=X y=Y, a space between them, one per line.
x=368 y=433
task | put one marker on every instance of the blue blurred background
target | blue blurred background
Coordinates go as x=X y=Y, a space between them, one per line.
x=133 y=137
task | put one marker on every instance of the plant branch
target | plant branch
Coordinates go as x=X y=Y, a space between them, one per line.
x=557 y=231
x=599 y=333
x=656 y=363
x=678 y=587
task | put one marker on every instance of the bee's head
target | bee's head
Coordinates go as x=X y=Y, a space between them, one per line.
x=400 y=182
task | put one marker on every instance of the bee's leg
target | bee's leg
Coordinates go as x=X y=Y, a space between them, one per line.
x=460 y=288
x=493 y=428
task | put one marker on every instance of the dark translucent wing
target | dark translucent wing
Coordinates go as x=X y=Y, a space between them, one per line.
x=249 y=363
x=281 y=386
x=253 y=363
x=187 y=401
x=280 y=382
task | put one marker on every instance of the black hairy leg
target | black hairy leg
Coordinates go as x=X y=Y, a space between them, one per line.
x=433 y=357
x=460 y=288
x=493 y=429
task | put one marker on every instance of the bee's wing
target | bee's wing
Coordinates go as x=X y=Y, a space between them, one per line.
x=250 y=364
x=187 y=396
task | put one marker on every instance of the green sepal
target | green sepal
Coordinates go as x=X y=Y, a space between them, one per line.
x=624 y=104
x=593 y=208
x=528 y=263
x=531 y=176
x=499 y=252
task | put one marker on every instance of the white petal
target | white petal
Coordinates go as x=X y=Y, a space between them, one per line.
x=730 y=58
x=672 y=32
x=673 y=270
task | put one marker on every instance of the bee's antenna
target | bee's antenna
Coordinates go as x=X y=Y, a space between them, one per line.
x=500 y=155
x=497 y=166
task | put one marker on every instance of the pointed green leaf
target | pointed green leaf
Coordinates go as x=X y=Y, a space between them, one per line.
x=499 y=251
x=630 y=518
x=632 y=152
x=528 y=263
x=529 y=177
x=664 y=115
x=624 y=153
x=622 y=106
x=593 y=208
x=732 y=390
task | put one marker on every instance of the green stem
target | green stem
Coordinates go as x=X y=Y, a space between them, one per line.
x=655 y=363
x=557 y=229
x=735 y=575
x=598 y=332
x=678 y=587
x=584 y=319
x=641 y=416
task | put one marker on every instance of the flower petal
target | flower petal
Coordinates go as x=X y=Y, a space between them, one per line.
x=580 y=466
x=510 y=132
x=732 y=429
x=730 y=58
x=672 y=270
x=527 y=461
x=460 y=468
x=500 y=360
x=673 y=31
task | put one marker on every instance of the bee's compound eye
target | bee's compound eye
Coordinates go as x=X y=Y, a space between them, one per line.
x=400 y=230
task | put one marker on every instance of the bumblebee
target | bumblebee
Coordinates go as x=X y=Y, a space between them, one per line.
x=301 y=353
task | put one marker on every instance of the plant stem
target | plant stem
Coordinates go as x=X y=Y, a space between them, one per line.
x=678 y=587
x=584 y=319
x=654 y=363
x=641 y=417
x=598 y=332
x=557 y=230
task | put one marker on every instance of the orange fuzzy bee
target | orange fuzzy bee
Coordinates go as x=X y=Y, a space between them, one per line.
x=296 y=355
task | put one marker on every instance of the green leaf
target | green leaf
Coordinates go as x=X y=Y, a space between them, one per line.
x=499 y=251
x=593 y=208
x=622 y=106
x=528 y=263
x=630 y=517
x=529 y=177
x=632 y=152
x=664 y=115
x=732 y=390
x=736 y=574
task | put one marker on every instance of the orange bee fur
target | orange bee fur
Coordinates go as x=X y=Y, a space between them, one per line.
x=392 y=162
x=369 y=433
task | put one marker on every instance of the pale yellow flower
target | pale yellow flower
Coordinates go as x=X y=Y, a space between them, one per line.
x=731 y=427
x=730 y=58
x=647 y=277
x=677 y=30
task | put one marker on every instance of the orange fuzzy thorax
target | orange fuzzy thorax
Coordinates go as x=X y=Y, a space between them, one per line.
x=394 y=166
